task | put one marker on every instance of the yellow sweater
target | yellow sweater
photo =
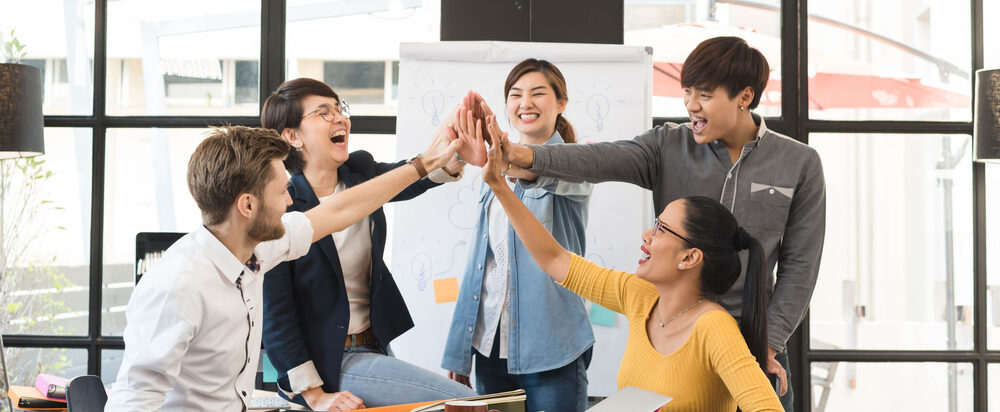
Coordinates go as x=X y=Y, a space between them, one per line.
x=712 y=371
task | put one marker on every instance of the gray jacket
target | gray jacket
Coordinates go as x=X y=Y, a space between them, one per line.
x=776 y=191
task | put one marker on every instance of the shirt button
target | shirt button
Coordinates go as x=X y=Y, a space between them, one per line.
x=729 y=175
x=244 y=393
x=475 y=297
x=771 y=191
x=470 y=328
x=484 y=236
x=251 y=323
x=480 y=266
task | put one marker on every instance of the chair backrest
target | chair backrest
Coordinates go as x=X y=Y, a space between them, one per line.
x=86 y=394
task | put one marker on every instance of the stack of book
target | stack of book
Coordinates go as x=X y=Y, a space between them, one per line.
x=48 y=394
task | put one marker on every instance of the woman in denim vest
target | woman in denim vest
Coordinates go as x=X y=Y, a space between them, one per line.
x=523 y=330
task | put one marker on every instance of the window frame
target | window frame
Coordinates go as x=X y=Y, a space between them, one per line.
x=794 y=121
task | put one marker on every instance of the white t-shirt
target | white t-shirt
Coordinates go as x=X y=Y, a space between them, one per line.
x=354 y=248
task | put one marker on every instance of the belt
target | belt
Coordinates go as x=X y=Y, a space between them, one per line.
x=365 y=338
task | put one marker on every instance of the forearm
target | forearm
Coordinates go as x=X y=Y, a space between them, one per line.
x=350 y=206
x=548 y=254
x=634 y=161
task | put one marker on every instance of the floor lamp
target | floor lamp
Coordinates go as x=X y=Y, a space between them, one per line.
x=21 y=127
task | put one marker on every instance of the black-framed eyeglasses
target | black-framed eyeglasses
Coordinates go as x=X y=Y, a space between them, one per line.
x=329 y=113
x=660 y=227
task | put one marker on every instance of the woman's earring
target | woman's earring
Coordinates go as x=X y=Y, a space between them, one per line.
x=298 y=148
x=742 y=108
x=680 y=266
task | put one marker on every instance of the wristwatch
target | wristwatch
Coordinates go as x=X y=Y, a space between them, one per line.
x=419 y=165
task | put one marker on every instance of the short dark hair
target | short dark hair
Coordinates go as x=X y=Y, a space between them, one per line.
x=283 y=109
x=233 y=160
x=729 y=62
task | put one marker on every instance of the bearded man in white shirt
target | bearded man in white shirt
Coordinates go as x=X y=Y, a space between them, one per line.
x=194 y=322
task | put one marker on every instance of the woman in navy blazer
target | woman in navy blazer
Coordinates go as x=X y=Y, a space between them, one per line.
x=330 y=315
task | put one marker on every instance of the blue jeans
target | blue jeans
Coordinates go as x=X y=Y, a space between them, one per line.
x=558 y=390
x=381 y=380
x=787 y=401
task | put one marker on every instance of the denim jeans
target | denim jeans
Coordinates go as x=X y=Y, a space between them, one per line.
x=787 y=401
x=558 y=390
x=381 y=380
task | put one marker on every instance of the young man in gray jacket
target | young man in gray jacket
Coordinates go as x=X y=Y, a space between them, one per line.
x=773 y=184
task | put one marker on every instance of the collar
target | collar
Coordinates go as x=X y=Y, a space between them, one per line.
x=219 y=255
x=555 y=139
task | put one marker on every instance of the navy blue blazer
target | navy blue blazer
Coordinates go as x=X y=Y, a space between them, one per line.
x=305 y=301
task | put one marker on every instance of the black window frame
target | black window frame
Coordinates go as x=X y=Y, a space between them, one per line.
x=794 y=121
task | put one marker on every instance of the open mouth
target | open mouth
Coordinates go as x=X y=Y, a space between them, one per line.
x=339 y=137
x=528 y=117
x=698 y=124
x=645 y=255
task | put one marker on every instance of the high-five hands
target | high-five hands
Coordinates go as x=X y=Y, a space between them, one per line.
x=495 y=165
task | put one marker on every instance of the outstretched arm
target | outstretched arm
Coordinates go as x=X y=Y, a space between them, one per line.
x=548 y=254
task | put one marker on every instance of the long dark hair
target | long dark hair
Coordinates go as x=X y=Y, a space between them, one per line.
x=713 y=230
x=283 y=110
x=556 y=81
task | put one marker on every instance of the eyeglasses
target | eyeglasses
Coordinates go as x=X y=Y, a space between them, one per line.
x=329 y=113
x=660 y=227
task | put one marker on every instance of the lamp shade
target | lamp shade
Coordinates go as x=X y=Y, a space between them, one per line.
x=21 y=122
x=986 y=123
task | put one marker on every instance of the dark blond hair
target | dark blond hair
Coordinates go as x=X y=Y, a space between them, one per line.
x=556 y=81
x=233 y=160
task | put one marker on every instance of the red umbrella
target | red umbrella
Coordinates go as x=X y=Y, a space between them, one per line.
x=834 y=82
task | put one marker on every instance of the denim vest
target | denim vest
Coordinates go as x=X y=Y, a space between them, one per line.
x=549 y=326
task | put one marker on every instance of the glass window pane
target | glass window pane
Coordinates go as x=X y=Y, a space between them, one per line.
x=58 y=38
x=674 y=28
x=897 y=259
x=45 y=237
x=111 y=361
x=993 y=258
x=24 y=364
x=184 y=57
x=360 y=70
x=890 y=60
x=145 y=190
x=844 y=386
x=994 y=387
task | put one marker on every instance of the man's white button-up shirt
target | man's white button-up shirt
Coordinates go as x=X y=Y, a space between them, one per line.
x=193 y=335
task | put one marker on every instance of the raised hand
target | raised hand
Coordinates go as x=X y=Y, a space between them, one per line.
x=470 y=136
x=441 y=149
x=495 y=166
x=511 y=170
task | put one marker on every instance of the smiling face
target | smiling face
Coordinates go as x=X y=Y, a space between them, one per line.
x=713 y=112
x=322 y=142
x=532 y=107
x=663 y=251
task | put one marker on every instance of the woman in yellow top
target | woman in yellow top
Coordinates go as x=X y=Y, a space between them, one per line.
x=681 y=343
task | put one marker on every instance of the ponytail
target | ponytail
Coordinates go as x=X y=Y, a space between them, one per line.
x=713 y=229
x=753 y=317
x=565 y=129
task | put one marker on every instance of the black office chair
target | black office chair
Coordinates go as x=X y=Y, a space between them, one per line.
x=86 y=394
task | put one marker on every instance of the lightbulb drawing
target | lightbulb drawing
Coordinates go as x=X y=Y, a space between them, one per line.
x=597 y=108
x=433 y=103
x=420 y=269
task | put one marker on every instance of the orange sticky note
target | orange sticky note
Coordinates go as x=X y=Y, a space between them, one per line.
x=445 y=290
